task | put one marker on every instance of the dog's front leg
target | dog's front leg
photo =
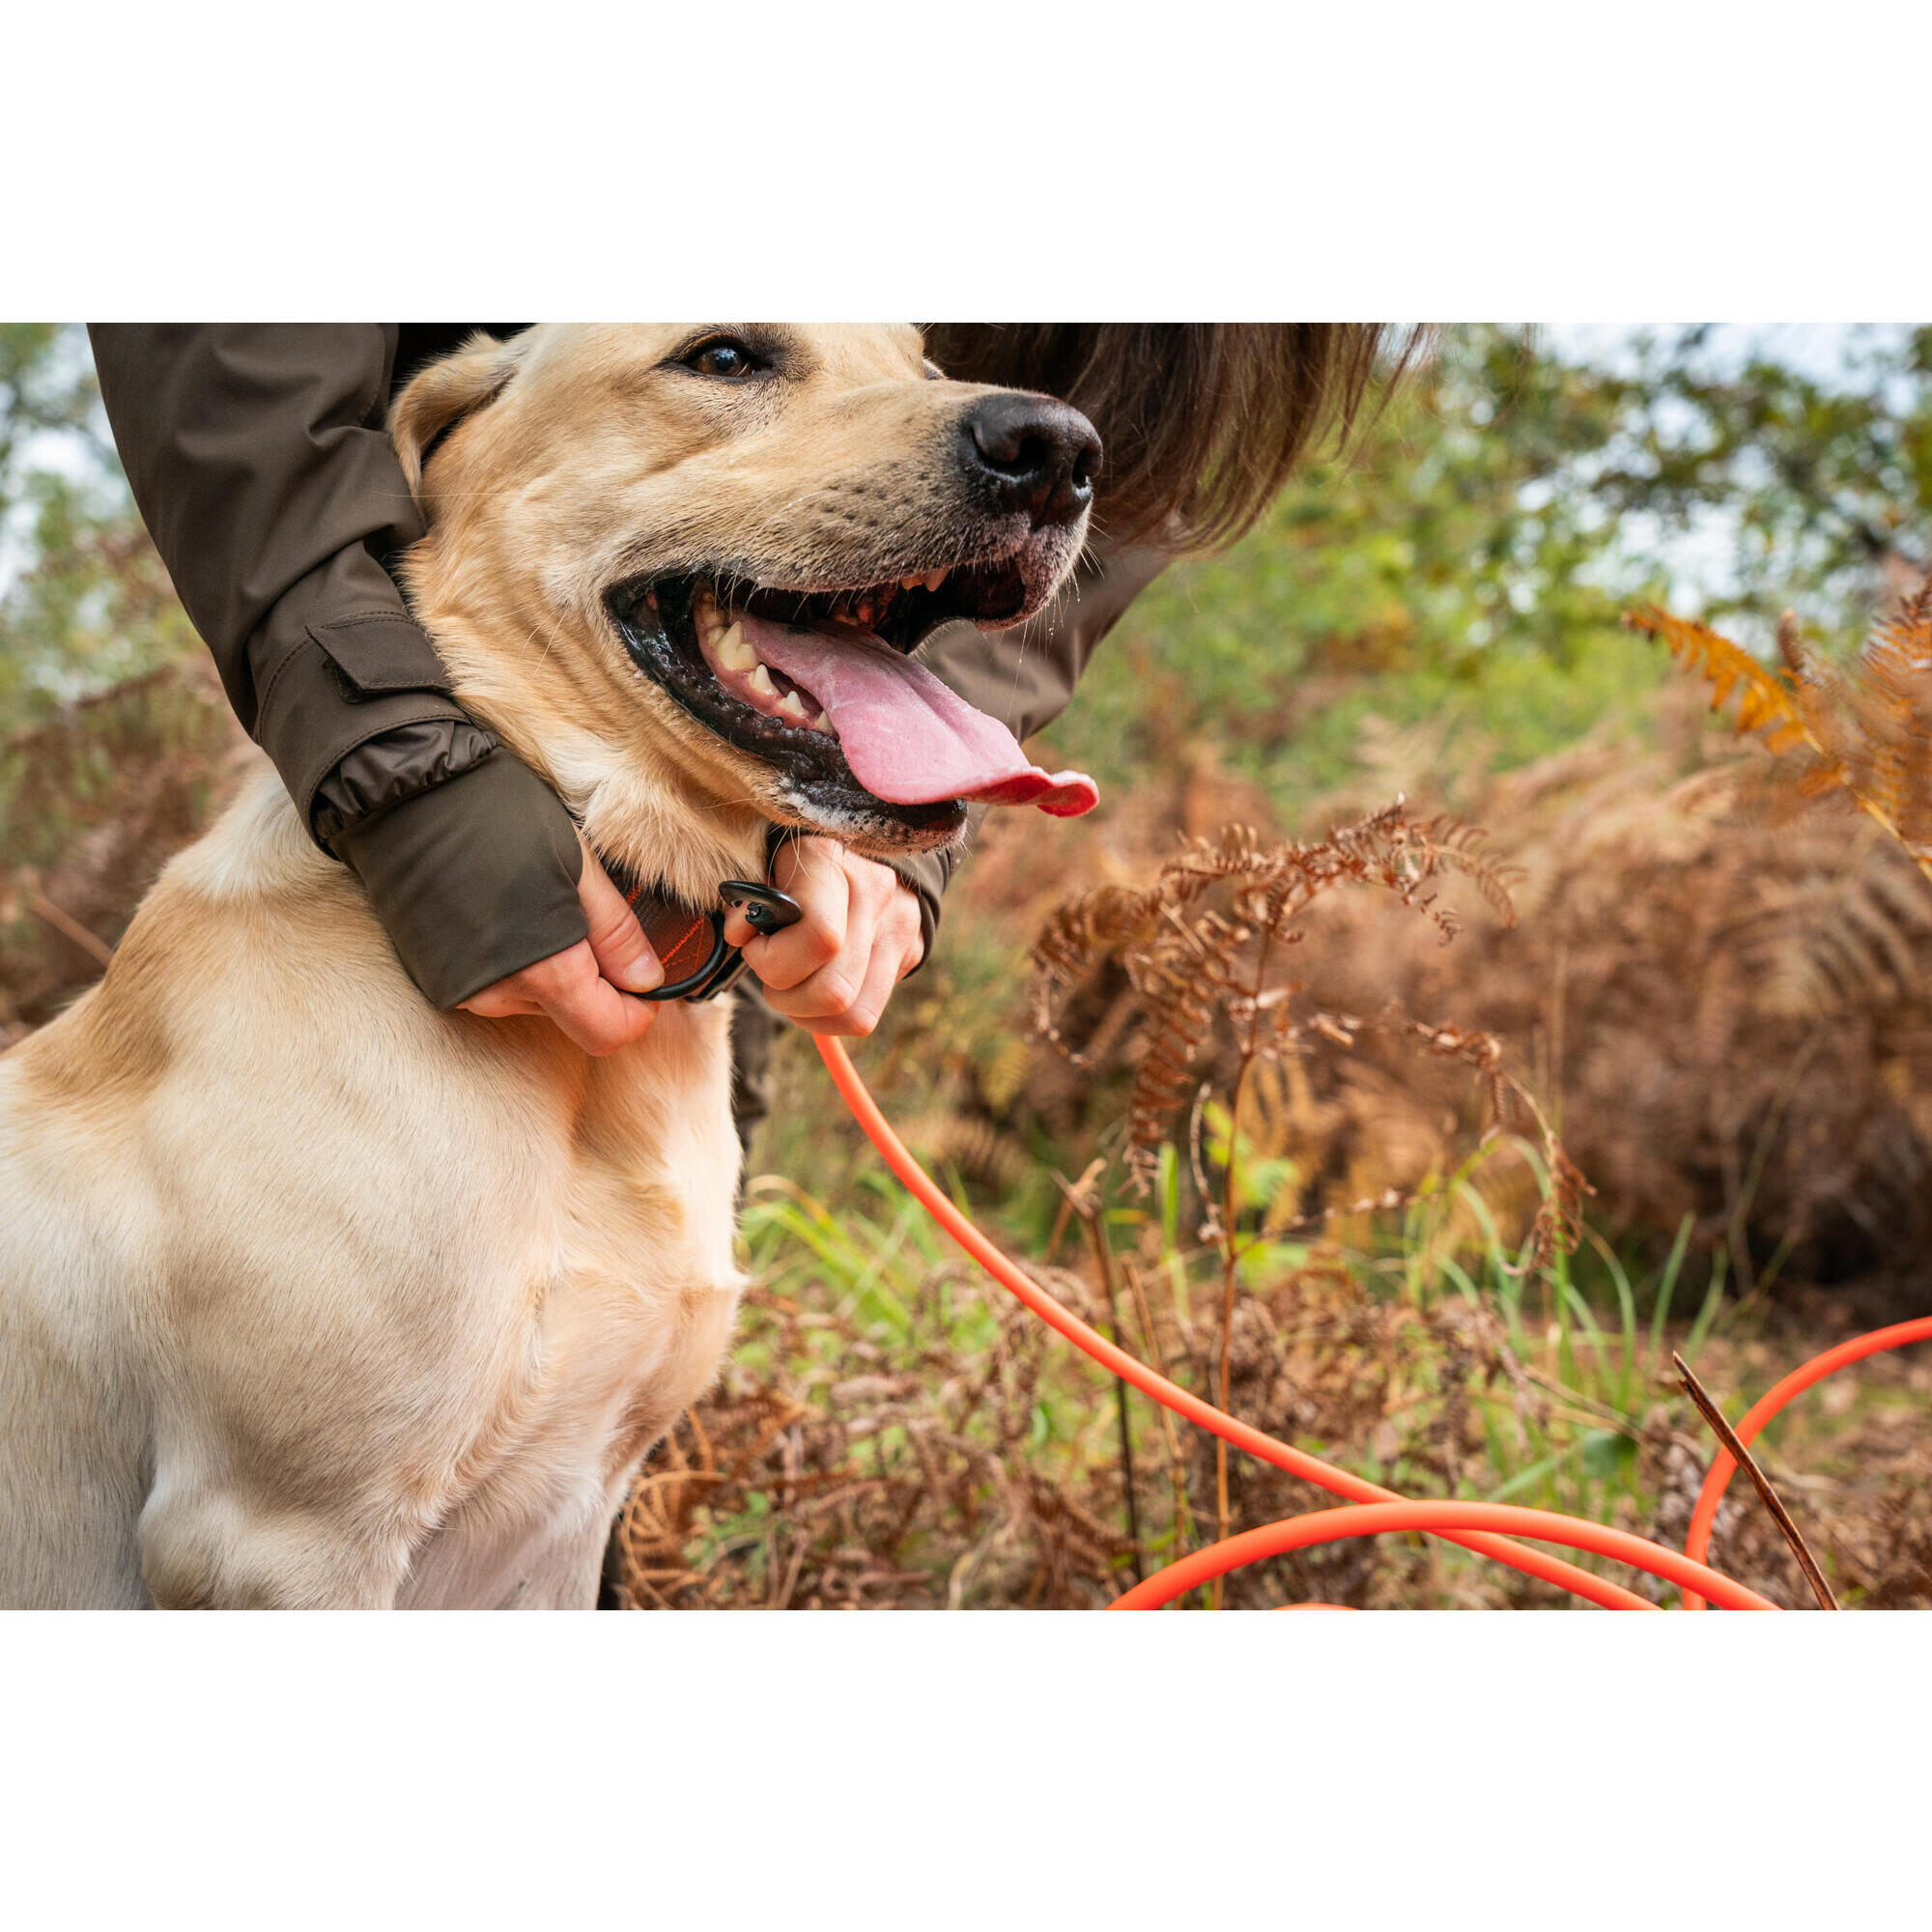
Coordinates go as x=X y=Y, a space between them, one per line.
x=212 y=1547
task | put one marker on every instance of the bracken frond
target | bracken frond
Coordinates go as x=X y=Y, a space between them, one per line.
x=1866 y=732
x=1559 y=1221
x=1768 y=702
x=1186 y=962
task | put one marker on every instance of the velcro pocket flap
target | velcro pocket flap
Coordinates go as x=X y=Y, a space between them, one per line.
x=379 y=653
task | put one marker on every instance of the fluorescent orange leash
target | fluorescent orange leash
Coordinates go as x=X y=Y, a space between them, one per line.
x=1472 y=1525
x=1116 y=1361
x=1440 y=1517
x=1698 y=1538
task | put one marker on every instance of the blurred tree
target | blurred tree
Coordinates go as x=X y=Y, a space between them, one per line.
x=104 y=771
x=84 y=600
x=1825 y=485
x=1462 y=568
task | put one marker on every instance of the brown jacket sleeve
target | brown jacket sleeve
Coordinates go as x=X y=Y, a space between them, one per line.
x=258 y=457
x=1024 y=677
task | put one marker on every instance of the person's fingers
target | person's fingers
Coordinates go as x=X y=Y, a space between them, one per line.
x=623 y=954
x=858 y=935
x=829 y=992
x=569 y=990
x=584 y=988
x=501 y=1001
x=884 y=941
x=898 y=946
x=812 y=870
x=583 y=1004
x=850 y=1014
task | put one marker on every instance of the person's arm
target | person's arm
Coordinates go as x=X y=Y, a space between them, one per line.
x=1024 y=677
x=259 y=460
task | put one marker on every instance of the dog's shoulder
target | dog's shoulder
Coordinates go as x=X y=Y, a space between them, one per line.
x=195 y=952
x=255 y=850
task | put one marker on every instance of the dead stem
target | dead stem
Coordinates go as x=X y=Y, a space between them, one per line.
x=70 y=927
x=1747 y=1463
x=1081 y=1198
x=1176 y=1468
x=1231 y=1249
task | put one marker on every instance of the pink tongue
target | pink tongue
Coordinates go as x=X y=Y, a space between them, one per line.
x=907 y=737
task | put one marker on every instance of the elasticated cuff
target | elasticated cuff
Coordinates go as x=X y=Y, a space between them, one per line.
x=474 y=880
x=337 y=664
x=384 y=772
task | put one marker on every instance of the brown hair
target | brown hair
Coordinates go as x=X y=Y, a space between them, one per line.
x=1201 y=422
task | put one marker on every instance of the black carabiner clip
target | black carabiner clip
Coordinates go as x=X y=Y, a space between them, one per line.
x=764 y=908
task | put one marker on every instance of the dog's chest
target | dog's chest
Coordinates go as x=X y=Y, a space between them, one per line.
x=629 y=1294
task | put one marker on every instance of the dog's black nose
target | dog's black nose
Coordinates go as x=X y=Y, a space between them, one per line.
x=1032 y=454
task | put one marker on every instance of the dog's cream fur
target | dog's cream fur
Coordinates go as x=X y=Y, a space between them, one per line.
x=313 y=1295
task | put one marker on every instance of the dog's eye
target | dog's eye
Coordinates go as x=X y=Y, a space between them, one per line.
x=727 y=358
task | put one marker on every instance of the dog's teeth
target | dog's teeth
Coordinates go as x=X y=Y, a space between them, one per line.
x=761 y=683
x=911 y=582
x=733 y=652
x=865 y=612
x=935 y=578
x=822 y=723
x=791 y=705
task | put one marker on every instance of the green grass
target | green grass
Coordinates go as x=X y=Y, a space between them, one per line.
x=1592 y=1330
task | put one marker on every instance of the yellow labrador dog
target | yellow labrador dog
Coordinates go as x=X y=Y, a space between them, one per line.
x=313 y=1295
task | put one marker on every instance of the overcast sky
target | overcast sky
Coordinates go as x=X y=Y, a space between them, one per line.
x=1815 y=348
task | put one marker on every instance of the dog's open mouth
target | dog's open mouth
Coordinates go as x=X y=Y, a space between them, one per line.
x=823 y=685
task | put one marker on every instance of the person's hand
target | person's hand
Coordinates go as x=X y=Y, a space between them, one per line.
x=585 y=988
x=835 y=969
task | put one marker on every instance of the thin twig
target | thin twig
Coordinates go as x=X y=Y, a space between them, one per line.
x=1059 y=1234
x=1231 y=1249
x=1745 y=1461
x=782 y=1601
x=70 y=927
x=1079 y=1197
x=1176 y=1468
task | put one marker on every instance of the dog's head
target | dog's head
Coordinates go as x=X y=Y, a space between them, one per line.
x=682 y=571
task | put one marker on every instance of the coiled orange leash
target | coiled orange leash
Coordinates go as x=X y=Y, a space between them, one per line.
x=1697 y=1539
x=1484 y=1527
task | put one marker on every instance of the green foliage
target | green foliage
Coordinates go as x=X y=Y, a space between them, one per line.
x=1466 y=564
x=87 y=603
x=1437 y=572
x=1818 y=483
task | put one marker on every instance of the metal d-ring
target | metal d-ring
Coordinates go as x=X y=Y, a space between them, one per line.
x=763 y=908
x=695 y=984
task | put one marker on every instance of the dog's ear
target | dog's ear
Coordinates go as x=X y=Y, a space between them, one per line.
x=446 y=392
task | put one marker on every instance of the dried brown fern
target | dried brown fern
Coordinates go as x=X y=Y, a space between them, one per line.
x=1186 y=961
x=1865 y=732
x=1204 y=940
